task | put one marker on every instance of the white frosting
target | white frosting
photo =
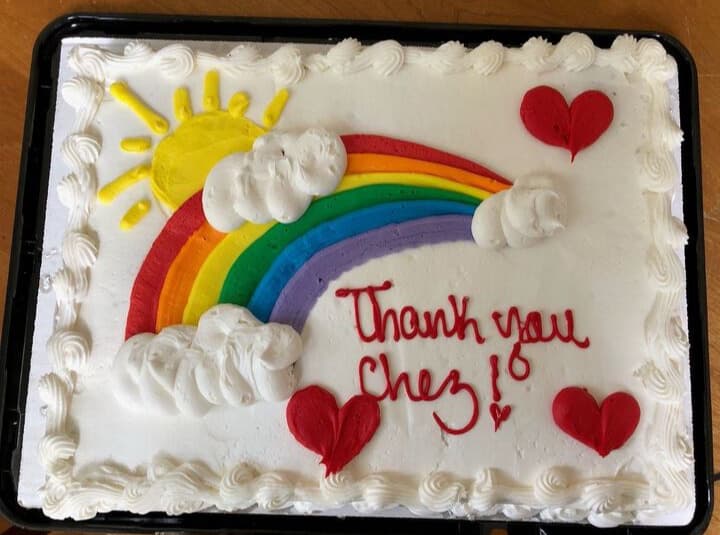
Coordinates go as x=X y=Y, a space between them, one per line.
x=575 y=52
x=277 y=179
x=532 y=209
x=288 y=66
x=230 y=359
x=69 y=346
x=603 y=496
x=664 y=375
x=191 y=486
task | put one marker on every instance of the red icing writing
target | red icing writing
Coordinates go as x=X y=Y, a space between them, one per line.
x=424 y=392
x=409 y=323
x=516 y=357
x=494 y=374
x=497 y=413
x=533 y=328
x=375 y=323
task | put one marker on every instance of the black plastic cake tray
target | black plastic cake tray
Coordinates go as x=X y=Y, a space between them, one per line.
x=24 y=269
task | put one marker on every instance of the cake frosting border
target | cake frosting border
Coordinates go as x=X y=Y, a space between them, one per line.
x=180 y=487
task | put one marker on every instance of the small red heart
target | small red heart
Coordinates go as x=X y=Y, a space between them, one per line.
x=546 y=115
x=337 y=435
x=604 y=428
x=499 y=415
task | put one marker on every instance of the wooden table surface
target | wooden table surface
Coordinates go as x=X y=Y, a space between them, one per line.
x=694 y=22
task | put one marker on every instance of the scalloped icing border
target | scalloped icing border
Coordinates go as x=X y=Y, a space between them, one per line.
x=182 y=487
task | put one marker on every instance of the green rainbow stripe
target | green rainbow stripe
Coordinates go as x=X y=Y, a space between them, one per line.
x=209 y=287
x=250 y=267
x=192 y=267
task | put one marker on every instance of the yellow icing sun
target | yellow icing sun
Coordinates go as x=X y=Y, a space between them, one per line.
x=184 y=157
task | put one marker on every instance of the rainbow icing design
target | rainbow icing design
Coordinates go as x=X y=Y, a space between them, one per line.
x=395 y=195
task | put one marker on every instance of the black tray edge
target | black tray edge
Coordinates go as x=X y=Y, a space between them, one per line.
x=695 y=256
x=26 y=254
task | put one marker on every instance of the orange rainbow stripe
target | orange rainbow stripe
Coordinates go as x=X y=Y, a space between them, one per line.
x=190 y=265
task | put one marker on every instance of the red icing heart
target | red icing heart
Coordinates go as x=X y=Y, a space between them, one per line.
x=499 y=415
x=604 y=428
x=337 y=435
x=547 y=116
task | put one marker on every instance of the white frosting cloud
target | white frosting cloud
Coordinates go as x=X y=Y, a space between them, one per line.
x=532 y=209
x=277 y=179
x=230 y=358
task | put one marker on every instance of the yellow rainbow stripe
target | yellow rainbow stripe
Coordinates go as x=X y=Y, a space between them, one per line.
x=211 y=276
x=191 y=267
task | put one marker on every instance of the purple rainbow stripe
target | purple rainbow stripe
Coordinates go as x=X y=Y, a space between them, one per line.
x=310 y=282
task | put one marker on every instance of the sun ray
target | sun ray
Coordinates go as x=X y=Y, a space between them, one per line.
x=135 y=214
x=111 y=190
x=135 y=144
x=211 y=91
x=183 y=156
x=123 y=94
x=239 y=102
x=182 y=107
x=274 y=108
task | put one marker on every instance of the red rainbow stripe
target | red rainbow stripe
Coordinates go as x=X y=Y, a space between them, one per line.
x=145 y=294
x=188 y=219
x=366 y=143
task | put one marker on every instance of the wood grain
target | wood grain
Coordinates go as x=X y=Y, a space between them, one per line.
x=694 y=22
